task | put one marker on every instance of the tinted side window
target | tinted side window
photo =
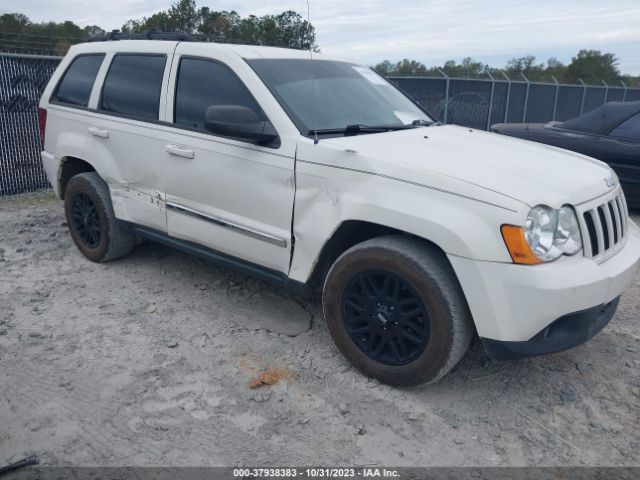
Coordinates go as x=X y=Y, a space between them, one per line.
x=133 y=85
x=630 y=128
x=202 y=83
x=77 y=82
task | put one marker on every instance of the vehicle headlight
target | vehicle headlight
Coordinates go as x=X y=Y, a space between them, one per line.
x=568 y=238
x=547 y=235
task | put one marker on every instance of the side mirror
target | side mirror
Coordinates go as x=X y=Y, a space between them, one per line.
x=240 y=122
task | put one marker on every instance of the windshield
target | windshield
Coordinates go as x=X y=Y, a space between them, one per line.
x=341 y=94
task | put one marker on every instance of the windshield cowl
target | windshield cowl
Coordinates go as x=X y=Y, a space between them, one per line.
x=358 y=129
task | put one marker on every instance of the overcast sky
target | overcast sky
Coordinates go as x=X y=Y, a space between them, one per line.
x=432 y=31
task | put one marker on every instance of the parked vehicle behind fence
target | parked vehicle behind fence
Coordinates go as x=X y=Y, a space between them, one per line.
x=321 y=174
x=610 y=133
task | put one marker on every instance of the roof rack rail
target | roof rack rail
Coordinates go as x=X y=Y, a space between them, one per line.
x=146 y=35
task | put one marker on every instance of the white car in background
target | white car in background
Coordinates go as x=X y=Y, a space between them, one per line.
x=320 y=173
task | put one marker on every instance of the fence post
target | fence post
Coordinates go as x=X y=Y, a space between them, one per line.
x=624 y=96
x=555 y=100
x=446 y=95
x=506 y=105
x=606 y=91
x=526 y=98
x=493 y=88
x=584 y=95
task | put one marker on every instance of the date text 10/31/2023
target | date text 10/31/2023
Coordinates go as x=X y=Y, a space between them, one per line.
x=315 y=473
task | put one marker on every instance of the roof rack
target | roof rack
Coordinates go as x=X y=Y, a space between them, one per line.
x=146 y=35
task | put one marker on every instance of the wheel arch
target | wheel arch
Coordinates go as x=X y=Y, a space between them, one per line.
x=69 y=167
x=348 y=234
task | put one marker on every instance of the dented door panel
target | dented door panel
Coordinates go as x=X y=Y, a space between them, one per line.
x=233 y=198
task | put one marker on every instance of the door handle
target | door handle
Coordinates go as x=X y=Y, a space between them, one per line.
x=99 y=132
x=177 y=151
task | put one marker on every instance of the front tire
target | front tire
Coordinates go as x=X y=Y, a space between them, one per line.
x=94 y=228
x=396 y=311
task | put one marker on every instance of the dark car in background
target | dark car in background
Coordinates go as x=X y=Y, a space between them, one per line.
x=610 y=133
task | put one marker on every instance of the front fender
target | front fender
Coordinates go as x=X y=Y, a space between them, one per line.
x=327 y=196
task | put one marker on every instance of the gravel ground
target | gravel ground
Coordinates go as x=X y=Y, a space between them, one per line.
x=150 y=360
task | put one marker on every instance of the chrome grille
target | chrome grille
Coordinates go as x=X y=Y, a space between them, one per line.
x=604 y=226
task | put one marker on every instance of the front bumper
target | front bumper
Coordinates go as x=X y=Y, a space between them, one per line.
x=518 y=303
x=566 y=332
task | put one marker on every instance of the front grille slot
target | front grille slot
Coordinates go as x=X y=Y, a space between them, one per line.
x=622 y=217
x=604 y=227
x=593 y=236
x=614 y=223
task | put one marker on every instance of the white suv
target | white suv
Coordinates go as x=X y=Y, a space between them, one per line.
x=321 y=173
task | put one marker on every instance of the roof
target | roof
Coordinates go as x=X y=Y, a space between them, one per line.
x=248 y=52
x=603 y=119
x=255 y=51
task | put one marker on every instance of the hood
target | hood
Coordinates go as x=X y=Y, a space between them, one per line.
x=529 y=172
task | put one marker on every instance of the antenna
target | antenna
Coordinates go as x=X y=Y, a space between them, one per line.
x=313 y=82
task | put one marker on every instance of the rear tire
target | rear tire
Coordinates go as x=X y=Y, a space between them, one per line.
x=396 y=311
x=94 y=228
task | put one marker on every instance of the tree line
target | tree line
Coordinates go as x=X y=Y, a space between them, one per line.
x=290 y=29
x=287 y=29
x=589 y=66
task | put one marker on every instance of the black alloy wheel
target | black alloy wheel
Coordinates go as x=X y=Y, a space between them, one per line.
x=396 y=311
x=86 y=220
x=385 y=317
x=94 y=228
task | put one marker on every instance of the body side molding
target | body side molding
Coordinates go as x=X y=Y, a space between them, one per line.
x=281 y=242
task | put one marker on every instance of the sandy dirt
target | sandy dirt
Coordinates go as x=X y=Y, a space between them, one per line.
x=163 y=359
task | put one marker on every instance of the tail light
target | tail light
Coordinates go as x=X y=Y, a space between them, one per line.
x=42 y=123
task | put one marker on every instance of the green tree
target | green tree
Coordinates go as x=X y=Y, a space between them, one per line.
x=525 y=65
x=219 y=25
x=409 y=67
x=14 y=22
x=593 y=66
x=184 y=16
x=555 y=68
x=469 y=68
x=384 y=68
x=631 y=81
x=287 y=29
x=18 y=33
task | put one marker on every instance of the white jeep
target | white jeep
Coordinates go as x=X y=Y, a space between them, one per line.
x=319 y=172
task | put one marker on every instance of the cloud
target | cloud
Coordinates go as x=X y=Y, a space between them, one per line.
x=431 y=31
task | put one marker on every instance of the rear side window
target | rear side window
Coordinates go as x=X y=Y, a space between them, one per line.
x=630 y=128
x=77 y=82
x=133 y=84
x=203 y=83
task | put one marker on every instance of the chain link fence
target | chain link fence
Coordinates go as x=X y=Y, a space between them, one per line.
x=476 y=103
x=22 y=80
x=479 y=103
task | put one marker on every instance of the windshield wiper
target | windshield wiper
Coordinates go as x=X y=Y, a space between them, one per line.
x=358 y=128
